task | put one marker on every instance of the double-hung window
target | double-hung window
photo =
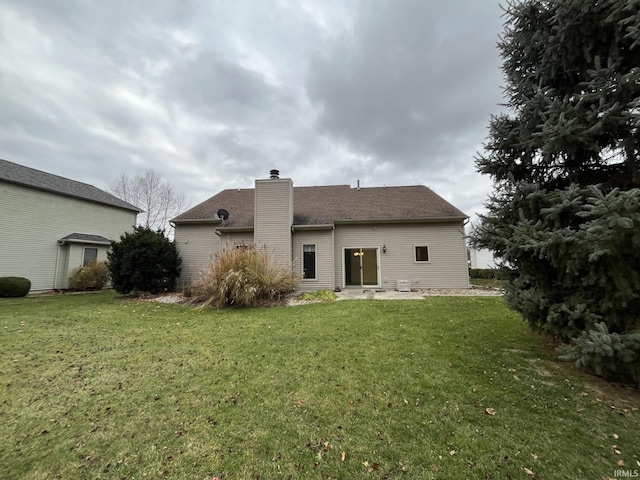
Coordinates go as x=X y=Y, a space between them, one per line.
x=89 y=255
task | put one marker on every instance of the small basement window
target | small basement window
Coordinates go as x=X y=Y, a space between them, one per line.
x=422 y=253
x=89 y=255
x=309 y=261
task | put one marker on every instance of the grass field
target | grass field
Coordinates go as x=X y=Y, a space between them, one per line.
x=99 y=387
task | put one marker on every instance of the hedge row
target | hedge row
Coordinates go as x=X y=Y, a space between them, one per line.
x=491 y=273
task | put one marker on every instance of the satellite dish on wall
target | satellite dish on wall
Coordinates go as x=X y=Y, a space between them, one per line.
x=222 y=214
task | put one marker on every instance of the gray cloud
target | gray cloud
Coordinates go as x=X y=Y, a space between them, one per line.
x=221 y=90
x=411 y=78
x=213 y=94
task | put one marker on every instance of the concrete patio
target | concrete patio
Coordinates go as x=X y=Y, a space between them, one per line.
x=358 y=294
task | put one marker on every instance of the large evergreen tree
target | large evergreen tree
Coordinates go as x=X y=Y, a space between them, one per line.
x=572 y=71
x=565 y=160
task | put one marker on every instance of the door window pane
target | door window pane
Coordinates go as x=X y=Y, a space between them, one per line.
x=308 y=261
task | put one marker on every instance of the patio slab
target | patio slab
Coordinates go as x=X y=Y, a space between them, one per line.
x=358 y=294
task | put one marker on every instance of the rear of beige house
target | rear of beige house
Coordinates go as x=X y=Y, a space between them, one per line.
x=334 y=236
x=51 y=225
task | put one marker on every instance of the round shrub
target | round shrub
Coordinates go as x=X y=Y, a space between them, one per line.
x=11 y=287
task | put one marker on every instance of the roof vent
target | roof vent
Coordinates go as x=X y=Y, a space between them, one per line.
x=274 y=174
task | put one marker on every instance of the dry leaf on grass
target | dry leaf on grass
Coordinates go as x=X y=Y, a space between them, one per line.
x=529 y=472
x=490 y=411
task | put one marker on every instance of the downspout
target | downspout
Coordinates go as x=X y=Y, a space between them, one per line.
x=333 y=256
x=55 y=272
x=292 y=250
x=466 y=249
x=220 y=241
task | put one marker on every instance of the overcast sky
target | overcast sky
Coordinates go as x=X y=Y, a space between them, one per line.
x=213 y=94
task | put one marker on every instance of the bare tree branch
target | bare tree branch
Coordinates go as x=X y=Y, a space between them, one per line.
x=148 y=191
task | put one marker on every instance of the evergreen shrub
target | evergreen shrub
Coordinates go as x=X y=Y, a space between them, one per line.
x=11 y=287
x=144 y=261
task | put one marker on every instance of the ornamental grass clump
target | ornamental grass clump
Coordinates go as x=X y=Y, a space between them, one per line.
x=244 y=277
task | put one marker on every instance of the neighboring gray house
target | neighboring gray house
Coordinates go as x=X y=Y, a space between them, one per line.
x=52 y=224
x=335 y=236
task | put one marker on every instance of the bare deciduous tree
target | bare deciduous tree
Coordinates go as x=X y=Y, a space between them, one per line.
x=148 y=191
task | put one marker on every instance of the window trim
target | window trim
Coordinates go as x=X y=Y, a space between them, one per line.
x=315 y=255
x=84 y=255
x=415 y=253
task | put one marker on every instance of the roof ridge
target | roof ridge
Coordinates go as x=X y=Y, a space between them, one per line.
x=50 y=182
x=51 y=174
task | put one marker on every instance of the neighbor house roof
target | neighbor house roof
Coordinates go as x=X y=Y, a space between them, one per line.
x=332 y=204
x=18 y=174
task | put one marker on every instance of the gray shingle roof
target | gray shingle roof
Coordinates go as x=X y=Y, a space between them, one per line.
x=86 y=238
x=30 y=177
x=333 y=204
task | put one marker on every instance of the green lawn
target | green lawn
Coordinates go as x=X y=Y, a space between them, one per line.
x=95 y=386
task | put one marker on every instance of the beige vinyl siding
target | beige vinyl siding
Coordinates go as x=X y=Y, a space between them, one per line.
x=73 y=254
x=323 y=240
x=230 y=240
x=32 y=223
x=447 y=265
x=196 y=244
x=274 y=216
